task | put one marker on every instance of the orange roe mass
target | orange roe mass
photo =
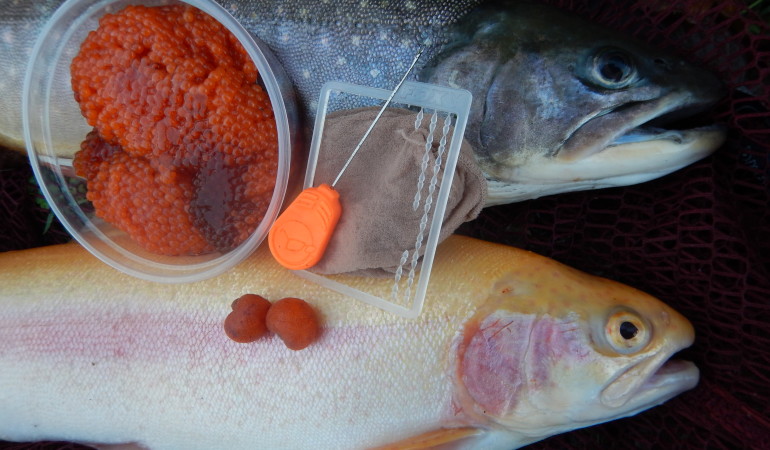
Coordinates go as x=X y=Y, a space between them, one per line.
x=174 y=101
x=129 y=191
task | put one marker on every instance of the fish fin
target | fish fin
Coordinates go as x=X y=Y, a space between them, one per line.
x=433 y=439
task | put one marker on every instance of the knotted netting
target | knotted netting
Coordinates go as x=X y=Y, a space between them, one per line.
x=698 y=239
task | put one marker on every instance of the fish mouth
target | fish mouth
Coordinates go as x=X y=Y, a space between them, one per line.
x=637 y=122
x=621 y=146
x=665 y=379
x=639 y=141
x=625 y=145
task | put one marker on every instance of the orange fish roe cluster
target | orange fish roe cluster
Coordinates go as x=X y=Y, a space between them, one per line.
x=174 y=93
x=227 y=216
x=158 y=218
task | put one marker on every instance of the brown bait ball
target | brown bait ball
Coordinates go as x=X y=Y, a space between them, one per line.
x=294 y=321
x=246 y=323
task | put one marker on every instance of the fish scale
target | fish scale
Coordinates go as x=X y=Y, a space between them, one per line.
x=149 y=363
x=362 y=42
x=530 y=137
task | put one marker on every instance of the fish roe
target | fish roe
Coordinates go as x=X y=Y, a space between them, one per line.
x=158 y=218
x=172 y=93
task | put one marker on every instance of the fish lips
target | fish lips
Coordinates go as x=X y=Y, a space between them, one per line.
x=650 y=382
x=619 y=147
x=606 y=129
x=636 y=393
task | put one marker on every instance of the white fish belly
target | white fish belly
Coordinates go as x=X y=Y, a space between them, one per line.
x=149 y=363
x=176 y=381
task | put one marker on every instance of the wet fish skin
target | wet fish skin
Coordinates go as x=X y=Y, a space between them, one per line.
x=369 y=43
x=534 y=86
x=511 y=348
x=562 y=105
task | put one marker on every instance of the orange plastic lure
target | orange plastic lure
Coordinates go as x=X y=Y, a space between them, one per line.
x=299 y=237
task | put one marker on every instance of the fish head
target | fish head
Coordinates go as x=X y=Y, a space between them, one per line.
x=554 y=349
x=563 y=105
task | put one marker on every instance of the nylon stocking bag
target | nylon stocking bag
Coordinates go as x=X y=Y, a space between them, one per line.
x=698 y=239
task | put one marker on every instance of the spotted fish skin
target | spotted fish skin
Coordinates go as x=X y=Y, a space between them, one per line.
x=359 y=41
x=20 y=24
x=540 y=123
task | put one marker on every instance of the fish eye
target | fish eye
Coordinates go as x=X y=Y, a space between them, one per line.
x=613 y=68
x=626 y=331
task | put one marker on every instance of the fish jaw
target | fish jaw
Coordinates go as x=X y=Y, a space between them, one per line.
x=563 y=365
x=636 y=159
x=545 y=118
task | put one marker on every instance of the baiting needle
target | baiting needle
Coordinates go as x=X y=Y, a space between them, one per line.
x=299 y=236
x=377 y=117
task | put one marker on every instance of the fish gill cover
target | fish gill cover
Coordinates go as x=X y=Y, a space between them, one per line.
x=698 y=239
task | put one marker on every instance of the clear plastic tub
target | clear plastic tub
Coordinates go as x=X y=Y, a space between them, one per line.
x=54 y=128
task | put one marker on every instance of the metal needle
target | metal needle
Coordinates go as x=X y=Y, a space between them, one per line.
x=374 y=122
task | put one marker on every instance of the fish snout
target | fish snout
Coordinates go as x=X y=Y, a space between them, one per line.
x=678 y=331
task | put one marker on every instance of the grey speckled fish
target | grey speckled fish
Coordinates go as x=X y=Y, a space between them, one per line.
x=559 y=105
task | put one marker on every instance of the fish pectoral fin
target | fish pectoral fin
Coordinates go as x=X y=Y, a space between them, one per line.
x=441 y=438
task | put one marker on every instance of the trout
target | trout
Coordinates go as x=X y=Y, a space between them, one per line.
x=559 y=104
x=511 y=347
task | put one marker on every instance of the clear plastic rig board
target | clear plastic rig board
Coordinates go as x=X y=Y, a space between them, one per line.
x=443 y=112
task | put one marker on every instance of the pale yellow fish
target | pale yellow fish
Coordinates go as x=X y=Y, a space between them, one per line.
x=511 y=348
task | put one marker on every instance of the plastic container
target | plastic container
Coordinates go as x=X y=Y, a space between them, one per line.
x=406 y=294
x=54 y=128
